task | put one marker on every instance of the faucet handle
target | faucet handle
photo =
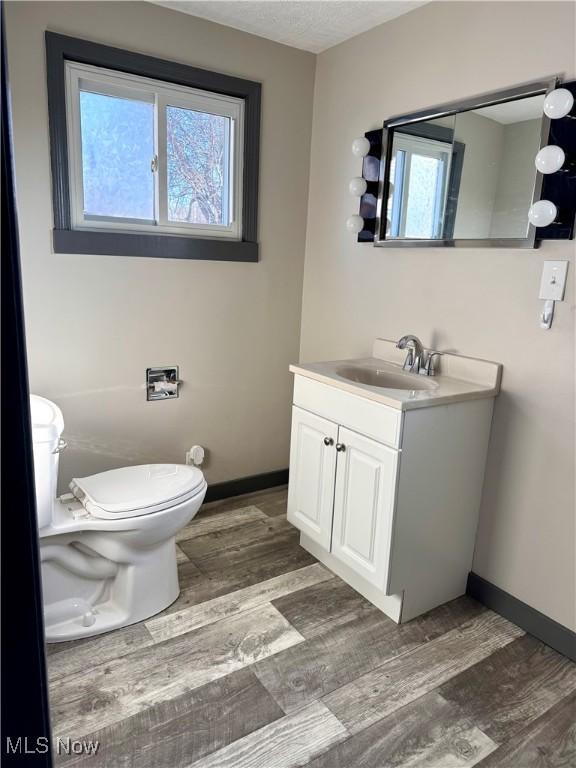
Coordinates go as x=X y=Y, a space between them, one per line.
x=430 y=367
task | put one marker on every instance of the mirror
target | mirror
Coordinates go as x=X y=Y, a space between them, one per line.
x=464 y=175
x=498 y=173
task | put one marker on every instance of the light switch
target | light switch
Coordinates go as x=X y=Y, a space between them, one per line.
x=553 y=280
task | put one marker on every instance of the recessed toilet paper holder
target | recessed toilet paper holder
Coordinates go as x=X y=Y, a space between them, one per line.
x=162 y=383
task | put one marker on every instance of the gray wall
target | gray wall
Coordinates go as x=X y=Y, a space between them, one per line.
x=498 y=176
x=483 y=302
x=516 y=179
x=483 y=139
x=95 y=323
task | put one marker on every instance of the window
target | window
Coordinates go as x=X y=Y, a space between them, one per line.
x=151 y=156
x=146 y=165
x=420 y=173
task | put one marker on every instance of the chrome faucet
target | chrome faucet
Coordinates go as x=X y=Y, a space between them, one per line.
x=417 y=361
x=413 y=361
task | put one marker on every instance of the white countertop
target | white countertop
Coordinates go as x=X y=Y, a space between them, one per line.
x=459 y=378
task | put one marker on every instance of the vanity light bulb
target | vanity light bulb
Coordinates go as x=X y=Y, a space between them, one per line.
x=558 y=103
x=360 y=147
x=358 y=186
x=355 y=224
x=542 y=213
x=550 y=159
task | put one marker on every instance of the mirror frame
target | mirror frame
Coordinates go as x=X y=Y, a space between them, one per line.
x=538 y=88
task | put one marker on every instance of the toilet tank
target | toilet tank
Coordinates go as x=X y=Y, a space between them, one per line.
x=47 y=428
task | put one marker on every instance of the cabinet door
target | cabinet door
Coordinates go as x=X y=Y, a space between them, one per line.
x=364 y=505
x=312 y=471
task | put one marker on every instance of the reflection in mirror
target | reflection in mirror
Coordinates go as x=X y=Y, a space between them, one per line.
x=422 y=185
x=498 y=174
x=469 y=175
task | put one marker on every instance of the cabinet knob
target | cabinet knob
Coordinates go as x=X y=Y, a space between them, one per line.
x=328 y=441
x=340 y=447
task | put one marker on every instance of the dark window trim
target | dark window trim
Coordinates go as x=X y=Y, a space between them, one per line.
x=458 y=149
x=61 y=48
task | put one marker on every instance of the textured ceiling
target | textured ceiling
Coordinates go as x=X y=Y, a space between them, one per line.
x=312 y=25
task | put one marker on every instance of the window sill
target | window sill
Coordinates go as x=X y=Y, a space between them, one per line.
x=150 y=245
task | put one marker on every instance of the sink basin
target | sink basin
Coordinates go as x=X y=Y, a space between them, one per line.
x=382 y=378
x=386 y=379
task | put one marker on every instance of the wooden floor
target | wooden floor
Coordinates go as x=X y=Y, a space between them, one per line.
x=267 y=660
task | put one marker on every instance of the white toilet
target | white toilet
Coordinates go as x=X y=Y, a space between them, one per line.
x=107 y=549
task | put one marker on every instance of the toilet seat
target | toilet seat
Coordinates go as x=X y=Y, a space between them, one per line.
x=136 y=491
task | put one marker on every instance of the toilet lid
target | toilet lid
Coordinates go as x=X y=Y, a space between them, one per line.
x=139 y=490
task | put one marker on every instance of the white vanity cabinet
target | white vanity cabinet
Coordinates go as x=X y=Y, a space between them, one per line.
x=341 y=493
x=388 y=498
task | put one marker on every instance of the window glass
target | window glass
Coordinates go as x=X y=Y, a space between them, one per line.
x=117 y=139
x=198 y=166
x=425 y=197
